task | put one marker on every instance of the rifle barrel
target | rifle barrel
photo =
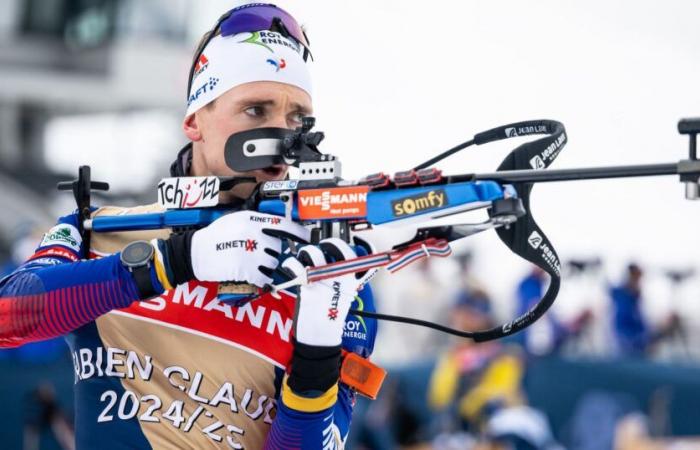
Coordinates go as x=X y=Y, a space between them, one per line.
x=585 y=173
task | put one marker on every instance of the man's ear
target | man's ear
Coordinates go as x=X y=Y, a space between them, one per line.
x=191 y=128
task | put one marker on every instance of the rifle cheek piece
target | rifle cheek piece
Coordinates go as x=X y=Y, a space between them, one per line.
x=260 y=148
x=256 y=149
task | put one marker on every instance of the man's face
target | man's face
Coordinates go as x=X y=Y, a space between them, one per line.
x=251 y=105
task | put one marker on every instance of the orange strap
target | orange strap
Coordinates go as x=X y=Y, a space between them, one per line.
x=361 y=374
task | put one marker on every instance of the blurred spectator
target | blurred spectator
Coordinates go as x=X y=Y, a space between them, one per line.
x=519 y=428
x=470 y=379
x=677 y=343
x=594 y=418
x=471 y=295
x=584 y=292
x=633 y=334
x=632 y=433
x=548 y=334
x=631 y=329
x=475 y=390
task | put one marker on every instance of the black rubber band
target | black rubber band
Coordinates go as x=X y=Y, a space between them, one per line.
x=178 y=257
x=314 y=369
x=144 y=285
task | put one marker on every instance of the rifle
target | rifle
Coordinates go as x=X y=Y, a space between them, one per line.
x=333 y=206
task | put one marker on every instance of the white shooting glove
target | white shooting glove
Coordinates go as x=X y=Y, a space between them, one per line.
x=323 y=306
x=242 y=246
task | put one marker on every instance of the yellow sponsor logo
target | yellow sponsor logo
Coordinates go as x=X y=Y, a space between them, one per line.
x=419 y=203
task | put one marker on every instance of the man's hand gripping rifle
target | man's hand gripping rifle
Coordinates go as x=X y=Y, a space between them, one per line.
x=334 y=207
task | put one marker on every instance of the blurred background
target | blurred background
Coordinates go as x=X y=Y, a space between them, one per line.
x=615 y=362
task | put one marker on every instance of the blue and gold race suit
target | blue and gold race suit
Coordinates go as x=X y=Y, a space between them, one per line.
x=181 y=370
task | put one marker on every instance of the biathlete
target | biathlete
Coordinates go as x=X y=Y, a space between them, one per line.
x=160 y=361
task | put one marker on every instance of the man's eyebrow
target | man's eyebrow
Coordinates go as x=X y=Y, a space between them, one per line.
x=267 y=102
x=256 y=101
x=300 y=107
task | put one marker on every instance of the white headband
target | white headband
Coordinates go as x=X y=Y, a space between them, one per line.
x=230 y=61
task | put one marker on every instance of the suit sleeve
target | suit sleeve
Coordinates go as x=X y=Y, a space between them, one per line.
x=323 y=422
x=55 y=292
